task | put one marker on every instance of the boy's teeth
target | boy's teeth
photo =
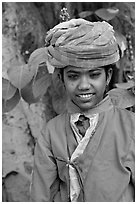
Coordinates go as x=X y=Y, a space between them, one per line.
x=85 y=95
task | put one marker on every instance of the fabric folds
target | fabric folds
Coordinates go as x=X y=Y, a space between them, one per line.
x=81 y=43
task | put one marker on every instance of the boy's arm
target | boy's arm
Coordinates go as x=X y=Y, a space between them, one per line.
x=45 y=171
x=130 y=160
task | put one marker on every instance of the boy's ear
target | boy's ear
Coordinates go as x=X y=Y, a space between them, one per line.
x=59 y=76
x=109 y=75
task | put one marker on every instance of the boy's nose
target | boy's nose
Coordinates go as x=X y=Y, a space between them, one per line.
x=84 y=83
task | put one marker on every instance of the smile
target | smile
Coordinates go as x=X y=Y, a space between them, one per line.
x=85 y=96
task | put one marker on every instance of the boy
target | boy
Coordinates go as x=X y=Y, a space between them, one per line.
x=85 y=154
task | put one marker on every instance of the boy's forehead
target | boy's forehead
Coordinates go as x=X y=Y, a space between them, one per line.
x=81 y=69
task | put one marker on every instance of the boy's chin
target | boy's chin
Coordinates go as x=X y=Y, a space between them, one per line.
x=86 y=106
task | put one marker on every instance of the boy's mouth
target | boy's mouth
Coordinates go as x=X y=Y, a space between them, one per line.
x=85 y=96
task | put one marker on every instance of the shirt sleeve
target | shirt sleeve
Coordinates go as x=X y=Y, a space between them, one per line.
x=44 y=177
x=130 y=157
x=130 y=160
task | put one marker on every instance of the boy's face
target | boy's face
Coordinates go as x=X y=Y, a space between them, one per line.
x=86 y=87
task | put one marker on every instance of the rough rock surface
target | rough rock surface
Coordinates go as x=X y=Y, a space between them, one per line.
x=21 y=128
x=22 y=33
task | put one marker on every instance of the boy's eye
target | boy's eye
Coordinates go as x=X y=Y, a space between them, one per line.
x=73 y=76
x=95 y=75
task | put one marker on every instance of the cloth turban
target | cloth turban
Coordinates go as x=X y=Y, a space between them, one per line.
x=81 y=43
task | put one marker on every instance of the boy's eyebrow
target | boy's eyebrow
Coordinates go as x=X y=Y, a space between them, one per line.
x=78 y=71
x=73 y=71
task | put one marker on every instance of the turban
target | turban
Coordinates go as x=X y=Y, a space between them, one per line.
x=81 y=43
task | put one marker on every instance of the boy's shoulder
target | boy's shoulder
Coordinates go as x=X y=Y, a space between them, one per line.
x=126 y=119
x=125 y=112
x=57 y=120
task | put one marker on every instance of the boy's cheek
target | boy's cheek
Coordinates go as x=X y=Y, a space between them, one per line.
x=69 y=88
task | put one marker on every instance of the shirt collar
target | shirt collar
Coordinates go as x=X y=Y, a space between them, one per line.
x=104 y=105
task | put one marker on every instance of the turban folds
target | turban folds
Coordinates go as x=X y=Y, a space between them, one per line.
x=81 y=43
